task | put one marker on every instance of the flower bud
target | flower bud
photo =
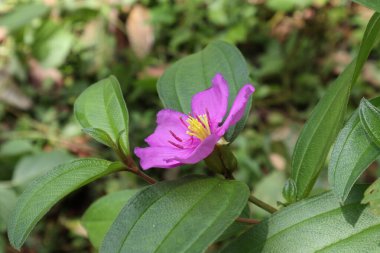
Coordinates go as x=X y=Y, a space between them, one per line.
x=289 y=192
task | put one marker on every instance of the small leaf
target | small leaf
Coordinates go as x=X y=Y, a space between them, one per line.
x=100 y=136
x=177 y=216
x=101 y=106
x=194 y=73
x=372 y=197
x=32 y=166
x=47 y=190
x=7 y=202
x=22 y=14
x=372 y=4
x=352 y=153
x=99 y=217
x=318 y=224
x=370 y=120
x=323 y=126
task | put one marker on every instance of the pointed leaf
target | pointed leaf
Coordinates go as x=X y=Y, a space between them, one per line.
x=319 y=224
x=194 y=73
x=47 y=190
x=178 y=216
x=101 y=106
x=99 y=217
x=352 y=153
x=323 y=126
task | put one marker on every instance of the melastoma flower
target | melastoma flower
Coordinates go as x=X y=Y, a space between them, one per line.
x=186 y=139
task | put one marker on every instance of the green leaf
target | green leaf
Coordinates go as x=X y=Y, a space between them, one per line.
x=22 y=15
x=178 y=216
x=99 y=217
x=319 y=224
x=372 y=4
x=7 y=202
x=370 y=120
x=52 y=44
x=323 y=126
x=194 y=73
x=32 y=166
x=47 y=190
x=100 y=136
x=372 y=197
x=352 y=153
x=101 y=106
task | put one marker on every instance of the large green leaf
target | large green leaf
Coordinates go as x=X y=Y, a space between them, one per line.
x=7 y=201
x=178 y=216
x=318 y=224
x=22 y=15
x=47 y=190
x=372 y=4
x=372 y=197
x=102 y=107
x=353 y=152
x=194 y=73
x=32 y=166
x=326 y=120
x=99 y=217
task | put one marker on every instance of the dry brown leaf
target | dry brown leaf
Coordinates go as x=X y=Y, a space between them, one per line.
x=140 y=31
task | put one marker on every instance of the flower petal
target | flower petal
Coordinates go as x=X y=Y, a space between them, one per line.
x=203 y=150
x=238 y=107
x=213 y=100
x=160 y=157
x=169 y=128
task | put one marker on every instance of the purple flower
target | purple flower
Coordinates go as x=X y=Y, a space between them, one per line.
x=185 y=139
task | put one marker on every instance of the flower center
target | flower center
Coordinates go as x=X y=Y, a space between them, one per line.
x=198 y=126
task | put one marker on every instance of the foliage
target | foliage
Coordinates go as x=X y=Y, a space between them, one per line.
x=297 y=55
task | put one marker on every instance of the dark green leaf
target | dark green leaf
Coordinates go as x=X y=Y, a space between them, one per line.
x=370 y=120
x=372 y=197
x=99 y=217
x=353 y=152
x=372 y=4
x=47 y=190
x=30 y=167
x=194 y=73
x=318 y=224
x=101 y=106
x=326 y=120
x=178 y=216
x=22 y=15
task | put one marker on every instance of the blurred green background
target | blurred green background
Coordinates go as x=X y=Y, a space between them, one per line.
x=51 y=50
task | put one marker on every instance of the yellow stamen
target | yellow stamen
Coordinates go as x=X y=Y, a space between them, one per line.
x=198 y=127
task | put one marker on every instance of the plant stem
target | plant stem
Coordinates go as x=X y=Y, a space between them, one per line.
x=132 y=167
x=262 y=204
x=247 y=220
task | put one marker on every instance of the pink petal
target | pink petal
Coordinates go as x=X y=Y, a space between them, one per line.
x=203 y=150
x=160 y=157
x=213 y=101
x=169 y=128
x=238 y=107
